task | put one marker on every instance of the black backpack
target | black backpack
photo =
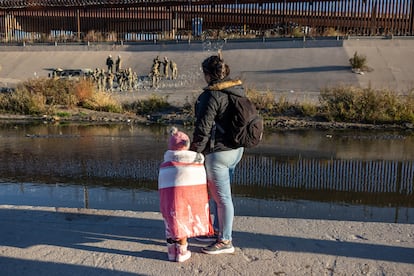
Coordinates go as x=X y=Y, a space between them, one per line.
x=246 y=127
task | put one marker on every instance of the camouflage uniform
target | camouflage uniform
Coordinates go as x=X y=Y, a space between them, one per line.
x=122 y=80
x=118 y=64
x=101 y=80
x=110 y=82
x=155 y=73
x=174 y=70
x=130 y=76
x=166 y=67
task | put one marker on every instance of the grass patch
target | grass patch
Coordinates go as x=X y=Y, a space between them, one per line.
x=269 y=106
x=152 y=104
x=63 y=114
x=339 y=104
x=22 y=101
x=43 y=95
x=366 y=105
x=102 y=101
x=359 y=62
x=342 y=104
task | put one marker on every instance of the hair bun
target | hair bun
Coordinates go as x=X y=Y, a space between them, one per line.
x=215 y=66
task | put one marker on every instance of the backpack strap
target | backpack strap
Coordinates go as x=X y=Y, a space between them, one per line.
x=218 y=127
x=213 y=136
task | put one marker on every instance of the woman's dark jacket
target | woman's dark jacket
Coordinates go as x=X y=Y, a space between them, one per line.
x=213 y=116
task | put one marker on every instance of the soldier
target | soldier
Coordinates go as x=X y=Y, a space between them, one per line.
x=130 y=77
x=157 y=60
x=122 y=80
x=110 y=82
x=135 y=78
x=109 y=63
x=101 y=80
x=166 y=67
x=155 y=73
x=174 y=70
x=56 y=73
x=95 y=76
x=118 y=64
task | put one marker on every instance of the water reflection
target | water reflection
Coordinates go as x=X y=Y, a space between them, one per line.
x=365 y=168
x=138 y=199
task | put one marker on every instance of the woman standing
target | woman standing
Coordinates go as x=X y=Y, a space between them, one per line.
x=213 y=116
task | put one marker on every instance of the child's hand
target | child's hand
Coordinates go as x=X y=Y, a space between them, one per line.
x=199 y=158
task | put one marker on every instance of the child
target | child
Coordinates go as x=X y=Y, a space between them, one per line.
x=183 y=194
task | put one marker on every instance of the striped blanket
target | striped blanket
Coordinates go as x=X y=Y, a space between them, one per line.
x=182 y=186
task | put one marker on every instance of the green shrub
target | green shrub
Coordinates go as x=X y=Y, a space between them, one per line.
x=263 y=101
x=331 y=32
x=189 y=104
x=84 y=90
x=282 y=106
x=297 y=32
x=366 y=105
x=63 y=114
x=43 y=95
x=55 y=91
x=22 y=101
x=358 y=61
x=102 y=101
x=308 y=109
x=153 y=104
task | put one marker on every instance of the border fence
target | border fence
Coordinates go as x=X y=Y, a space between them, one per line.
x=154 y=20
x=332 y=175
x=386 y=177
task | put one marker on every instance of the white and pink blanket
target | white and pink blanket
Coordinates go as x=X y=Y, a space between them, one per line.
x=182 y=186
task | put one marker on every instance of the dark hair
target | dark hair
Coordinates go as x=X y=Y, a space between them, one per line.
x=215 y=67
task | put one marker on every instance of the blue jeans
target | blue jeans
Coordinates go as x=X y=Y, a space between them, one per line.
x=220 y=168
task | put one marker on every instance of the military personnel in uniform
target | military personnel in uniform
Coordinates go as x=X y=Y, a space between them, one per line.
x=174 y=70
x=110 y=82
x=166 y=67
x=109 y=63
x=155 y=73
x=56 y=73
x=101 y=80
x=118 y=64
x=122 y=80
x=135 y=77
x=130 y=77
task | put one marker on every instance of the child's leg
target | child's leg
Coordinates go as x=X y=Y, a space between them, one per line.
x=182 y=253
x=172 y=249
x=182 y=241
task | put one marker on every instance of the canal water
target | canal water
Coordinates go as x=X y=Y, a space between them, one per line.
x=321 y=174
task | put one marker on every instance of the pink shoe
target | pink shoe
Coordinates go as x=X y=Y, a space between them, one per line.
x=172 y=252
x=182 y=253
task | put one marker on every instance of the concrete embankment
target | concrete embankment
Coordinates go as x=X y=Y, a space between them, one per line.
x=295 y=69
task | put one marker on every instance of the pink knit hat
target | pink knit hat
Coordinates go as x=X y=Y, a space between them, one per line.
x=178 y=140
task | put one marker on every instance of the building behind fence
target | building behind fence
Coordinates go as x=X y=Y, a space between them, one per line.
x=153 y=20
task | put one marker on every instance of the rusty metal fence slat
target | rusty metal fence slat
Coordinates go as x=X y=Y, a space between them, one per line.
x=336 y=175
x=361 y=17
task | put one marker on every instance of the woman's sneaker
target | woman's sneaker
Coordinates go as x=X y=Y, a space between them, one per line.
x=219 y=247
